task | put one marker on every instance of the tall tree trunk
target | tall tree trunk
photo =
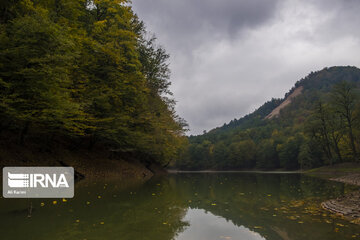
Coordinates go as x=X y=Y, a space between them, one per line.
x=336 y=147
x=352 y=141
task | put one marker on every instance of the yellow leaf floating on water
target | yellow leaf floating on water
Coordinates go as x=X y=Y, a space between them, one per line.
x=213 y=204
x=54 y=202
x=64 y=200
x=258 y=227
x=102 y=223
x=87 y=202
x=99 y=197
x=336 y=229
x=42 y=204
x=269 y=195
x=77 y=220
x=300 y=222
x=153 y=194
x=165 y=223
x=225 y=237
x=339 y=224
x=356 y=221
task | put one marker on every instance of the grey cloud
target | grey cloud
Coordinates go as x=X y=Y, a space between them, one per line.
x=188 y=22
x=229 y=56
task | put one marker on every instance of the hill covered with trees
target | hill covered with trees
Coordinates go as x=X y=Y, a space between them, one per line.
x=317 y=123
x=84 y=74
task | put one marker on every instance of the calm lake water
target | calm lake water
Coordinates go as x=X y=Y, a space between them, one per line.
x=186 y=206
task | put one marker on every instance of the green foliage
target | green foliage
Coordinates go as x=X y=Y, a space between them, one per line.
x=288 y=153
x=318 y=128
x=84 y=69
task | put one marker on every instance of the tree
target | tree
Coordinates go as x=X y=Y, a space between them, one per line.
x=36 y=63
x=343 y=100
x=83 y=70
x=289 y=152
x=267 y=156
x=310 y=154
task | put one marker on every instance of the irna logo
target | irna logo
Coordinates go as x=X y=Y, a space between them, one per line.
x=38 y=182
x=18 y=180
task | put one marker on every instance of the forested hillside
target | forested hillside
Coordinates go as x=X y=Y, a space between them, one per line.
x=320 y=126
x=85 y=73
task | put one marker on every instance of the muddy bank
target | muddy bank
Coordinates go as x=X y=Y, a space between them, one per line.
x=348 y=205
x=95 y=164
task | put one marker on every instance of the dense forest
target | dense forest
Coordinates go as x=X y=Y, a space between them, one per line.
x=320 y=126
x=85 y=73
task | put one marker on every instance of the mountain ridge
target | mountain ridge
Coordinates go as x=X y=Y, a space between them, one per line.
x=286 y=102
x=258 y=141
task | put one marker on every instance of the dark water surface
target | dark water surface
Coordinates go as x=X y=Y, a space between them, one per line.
x=187 y=206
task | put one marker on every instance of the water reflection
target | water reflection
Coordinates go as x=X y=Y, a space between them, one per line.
x=184 y=206
x=204 y=226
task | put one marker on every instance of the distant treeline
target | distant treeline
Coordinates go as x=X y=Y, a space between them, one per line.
x=85 y=71
x=320 y=127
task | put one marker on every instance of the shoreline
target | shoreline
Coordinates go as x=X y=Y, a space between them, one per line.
x=172 y=171
x=96 y=164
x=348 y=205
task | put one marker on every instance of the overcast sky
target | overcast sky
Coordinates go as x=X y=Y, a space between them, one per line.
x=228 y=57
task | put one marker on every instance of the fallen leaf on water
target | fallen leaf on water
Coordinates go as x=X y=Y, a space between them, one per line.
x=42 y=204
x=54 y=202
x=213 y=204
x=64 y=200
x=225 y=237
x=356 y=221
x=102 y=223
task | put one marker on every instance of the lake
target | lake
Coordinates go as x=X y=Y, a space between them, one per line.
x=185 y=206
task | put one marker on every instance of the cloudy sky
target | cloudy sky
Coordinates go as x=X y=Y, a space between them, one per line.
x=230 y=56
